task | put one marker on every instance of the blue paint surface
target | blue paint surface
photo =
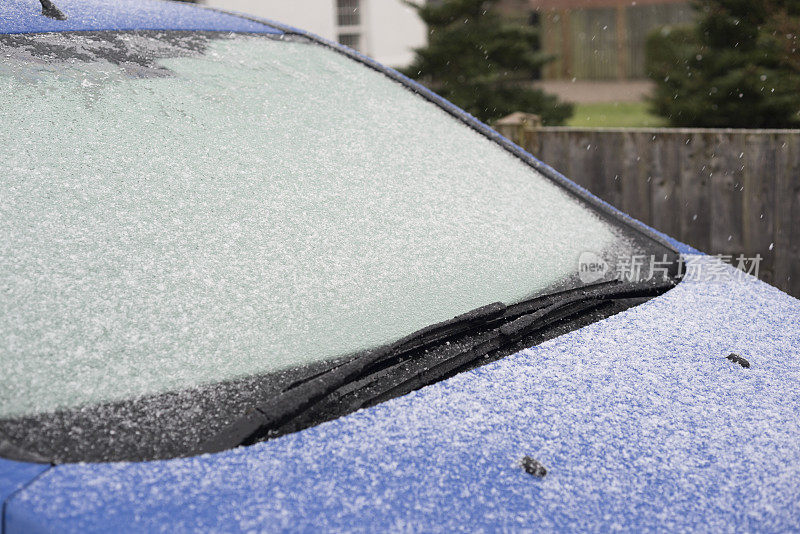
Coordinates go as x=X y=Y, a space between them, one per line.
x=641 y=421
x=14 y=475
x=24 y=16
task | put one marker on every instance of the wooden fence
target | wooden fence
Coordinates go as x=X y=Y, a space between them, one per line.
x=604 y=42
x=721 y=191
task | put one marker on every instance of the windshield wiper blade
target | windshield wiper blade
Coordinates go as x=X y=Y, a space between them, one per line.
x=500 y=325
x=280 y=408
x=524 y=320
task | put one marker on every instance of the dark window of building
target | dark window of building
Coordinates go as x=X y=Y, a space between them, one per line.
x=348 y=12
x=353 y=40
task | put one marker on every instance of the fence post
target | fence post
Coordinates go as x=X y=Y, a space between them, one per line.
x=522 y=128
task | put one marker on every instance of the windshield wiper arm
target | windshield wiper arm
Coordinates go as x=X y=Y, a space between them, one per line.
x=501 y=326
x=282 y=407
x=523 y=321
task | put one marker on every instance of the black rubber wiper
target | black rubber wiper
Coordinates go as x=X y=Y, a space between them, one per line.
x=521 y=326
x=488 y=329
x=257 y=423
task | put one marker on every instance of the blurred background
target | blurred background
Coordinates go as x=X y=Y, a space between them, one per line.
x=592 y=52
x=684 y=114
x=387 y=30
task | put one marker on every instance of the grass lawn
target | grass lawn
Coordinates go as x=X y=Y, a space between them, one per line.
x=614 y=114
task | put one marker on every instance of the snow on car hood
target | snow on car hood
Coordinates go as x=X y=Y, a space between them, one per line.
x=640 y=420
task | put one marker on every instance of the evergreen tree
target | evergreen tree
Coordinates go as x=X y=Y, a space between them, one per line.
x=483 y=62
x=738 y=66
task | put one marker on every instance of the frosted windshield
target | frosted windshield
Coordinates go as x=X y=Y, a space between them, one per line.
x=243 y=205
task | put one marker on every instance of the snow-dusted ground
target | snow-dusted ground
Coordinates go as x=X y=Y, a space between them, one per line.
x=641 y=421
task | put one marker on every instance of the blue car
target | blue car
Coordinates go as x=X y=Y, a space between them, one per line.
x=251 y=280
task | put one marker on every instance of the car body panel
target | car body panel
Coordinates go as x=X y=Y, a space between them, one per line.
x=24 y=16
x=14 y=476
x=640 y=419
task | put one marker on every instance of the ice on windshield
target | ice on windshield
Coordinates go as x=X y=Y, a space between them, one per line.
x=261 y=205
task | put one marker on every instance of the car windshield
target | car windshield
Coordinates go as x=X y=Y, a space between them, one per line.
x=182 y=209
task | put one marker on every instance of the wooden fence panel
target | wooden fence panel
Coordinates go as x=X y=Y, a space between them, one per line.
x=635 y=191
x=759 y=197
x=792 y=192
x=722 y=191
x=726 y=177
x=665 y=183
x=604 y=43
x=782 y=209
x=696 y=193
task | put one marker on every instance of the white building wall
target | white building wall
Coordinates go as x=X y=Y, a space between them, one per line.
x=389 y=29
x=392 y=31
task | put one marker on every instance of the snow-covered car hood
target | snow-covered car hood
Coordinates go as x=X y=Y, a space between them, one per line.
x=640 y=420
